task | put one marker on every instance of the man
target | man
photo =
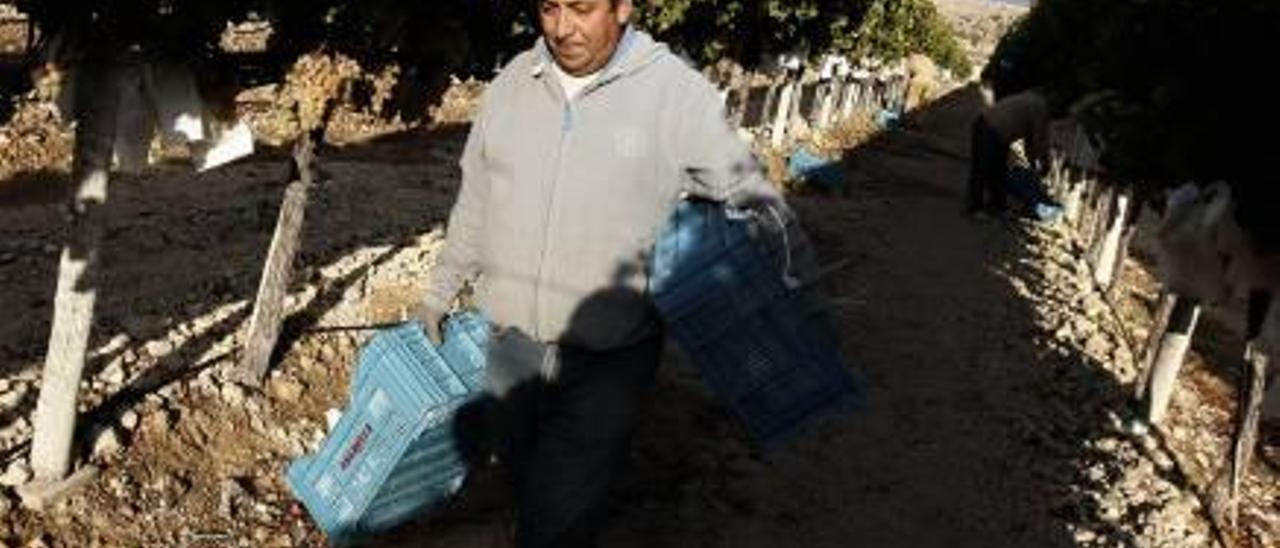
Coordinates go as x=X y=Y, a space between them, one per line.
x=581 y=149
x=1019 y=117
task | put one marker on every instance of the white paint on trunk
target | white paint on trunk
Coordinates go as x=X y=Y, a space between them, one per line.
x=1164 y=374
x=783 y=118
x=828 y=99
x=1105 y=269
x=73 y=304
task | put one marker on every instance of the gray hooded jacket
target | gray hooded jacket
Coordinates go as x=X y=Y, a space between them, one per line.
x=562 y=200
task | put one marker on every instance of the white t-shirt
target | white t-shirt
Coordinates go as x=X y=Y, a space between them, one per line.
x=573 y=84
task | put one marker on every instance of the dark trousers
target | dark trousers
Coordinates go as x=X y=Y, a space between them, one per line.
x=988 y=168
x=564 y=440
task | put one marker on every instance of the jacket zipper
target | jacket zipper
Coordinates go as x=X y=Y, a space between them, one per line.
x=566 y=128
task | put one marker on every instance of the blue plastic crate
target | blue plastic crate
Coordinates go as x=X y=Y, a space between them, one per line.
x=809 y=167
x=393 y=453
x=1027 y=186
x=759 y=345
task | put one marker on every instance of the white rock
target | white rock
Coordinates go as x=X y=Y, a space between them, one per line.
x=16 y=474
x=11 y=433
x=232 y=394
x=1097 y=473
x=116 y=344
x=1111 y=513
x=106 y=443
x=113 y=374
x=1098 y=346
x=285 y=389
x=203 y=382
x=231 y=493
x=129 y=420
x=159 y=348
x=1064 y=333
x=10 y=397
x=331 y=418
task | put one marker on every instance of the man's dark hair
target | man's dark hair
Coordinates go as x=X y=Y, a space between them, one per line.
x=538 y=3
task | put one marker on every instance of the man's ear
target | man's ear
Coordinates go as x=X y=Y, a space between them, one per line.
x=624 y=11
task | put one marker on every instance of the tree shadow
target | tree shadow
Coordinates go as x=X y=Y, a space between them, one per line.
x=33 y=188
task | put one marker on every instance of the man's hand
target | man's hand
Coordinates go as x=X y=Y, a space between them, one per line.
x=431 y=321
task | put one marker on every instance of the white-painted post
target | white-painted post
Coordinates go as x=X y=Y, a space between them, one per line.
x=1105 y=270
x=783 y=117
x=850 y=96
x=1170 y=357
x=78 y=276
x=828 y=101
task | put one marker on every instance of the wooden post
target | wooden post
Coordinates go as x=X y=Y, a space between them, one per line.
x=1075 y=195
x=1170 y=357
x=898 y=97
x=1115 y=290
x=797 y=98
x=866 y=93
x=78 y=271
x=753 y=113
x=1255 y=362
x=1101 y=213
x=1159 y=324
x=268 y=311
x=770 y=102
x=783 y=118
x=742 y=100
x=1082 y=211
x=829 y=99
x=1109 y=251
x=849 y=98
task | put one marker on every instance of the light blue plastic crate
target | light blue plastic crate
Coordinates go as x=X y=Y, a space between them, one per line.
x=762 y=347
x=393 y=454
x=824 y=172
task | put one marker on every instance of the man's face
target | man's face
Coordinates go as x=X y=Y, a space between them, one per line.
x=582 y=34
